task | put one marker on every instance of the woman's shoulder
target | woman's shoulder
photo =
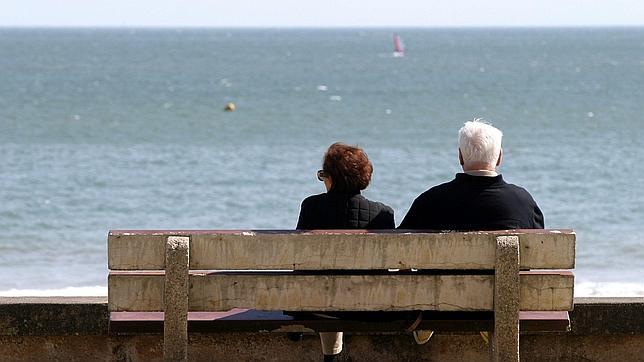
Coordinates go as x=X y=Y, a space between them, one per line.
x=376 y=205
x=314 y=199
x=380 y=215
x=384 y=207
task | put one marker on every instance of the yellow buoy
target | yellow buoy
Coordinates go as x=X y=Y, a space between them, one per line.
x=230 y=107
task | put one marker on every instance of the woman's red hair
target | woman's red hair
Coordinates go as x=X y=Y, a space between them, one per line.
x=348 y=166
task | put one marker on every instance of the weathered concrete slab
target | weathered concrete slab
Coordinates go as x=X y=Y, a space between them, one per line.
x=357 y=348
x=533 y=295
x=132 y=291
x=283 y=249
x=147 y=252
x=606 y=316
x=38 y=316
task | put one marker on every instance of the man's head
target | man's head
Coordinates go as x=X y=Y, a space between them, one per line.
x=479 y=146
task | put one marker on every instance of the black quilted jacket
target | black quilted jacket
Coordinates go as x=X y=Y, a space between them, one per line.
x=344 y=211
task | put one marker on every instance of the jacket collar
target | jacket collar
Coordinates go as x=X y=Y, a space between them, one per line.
x=487 y=173
x=479 y=180
x=348 y=194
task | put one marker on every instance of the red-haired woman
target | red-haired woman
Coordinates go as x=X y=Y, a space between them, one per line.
x=346 y=170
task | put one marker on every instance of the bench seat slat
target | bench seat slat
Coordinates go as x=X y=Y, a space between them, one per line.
x=540 y=291
x=248 y=320
x=341 y=249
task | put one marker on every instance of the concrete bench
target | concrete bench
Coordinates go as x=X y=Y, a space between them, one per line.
x=210 y=280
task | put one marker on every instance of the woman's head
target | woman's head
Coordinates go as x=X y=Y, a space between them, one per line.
x=348 y=167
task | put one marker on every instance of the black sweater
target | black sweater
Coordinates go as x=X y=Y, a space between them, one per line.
x=344 y=211
x=474 y=203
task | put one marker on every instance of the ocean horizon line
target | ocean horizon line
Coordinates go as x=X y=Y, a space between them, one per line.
x=330 y=27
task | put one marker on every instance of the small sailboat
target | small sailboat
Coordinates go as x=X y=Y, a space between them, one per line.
x=399 y=47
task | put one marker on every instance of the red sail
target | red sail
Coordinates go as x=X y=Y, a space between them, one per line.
x=398 y=47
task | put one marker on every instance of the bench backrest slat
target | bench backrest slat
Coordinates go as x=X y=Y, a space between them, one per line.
x=542 y=291
x=261 y=250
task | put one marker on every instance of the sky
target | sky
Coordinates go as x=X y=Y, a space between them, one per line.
x=321 y=13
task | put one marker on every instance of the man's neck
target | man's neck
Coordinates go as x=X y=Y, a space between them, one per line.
x=487 y=173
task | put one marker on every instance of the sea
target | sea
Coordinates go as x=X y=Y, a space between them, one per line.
x=119 y=128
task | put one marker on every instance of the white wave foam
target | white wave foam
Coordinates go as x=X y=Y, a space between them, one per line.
x=62 y=292
x=609 y=289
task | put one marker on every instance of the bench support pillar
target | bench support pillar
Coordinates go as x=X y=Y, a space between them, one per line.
x=505 y=339
x=175 y=325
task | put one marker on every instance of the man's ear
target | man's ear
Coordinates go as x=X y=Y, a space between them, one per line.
x=460 y=157
x=498 y=161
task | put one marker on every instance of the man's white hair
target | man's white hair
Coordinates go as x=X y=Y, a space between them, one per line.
x=479 y=142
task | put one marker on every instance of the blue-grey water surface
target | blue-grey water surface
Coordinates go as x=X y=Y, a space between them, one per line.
x=123 y=129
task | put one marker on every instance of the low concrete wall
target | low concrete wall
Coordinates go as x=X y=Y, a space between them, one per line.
x=75 y=329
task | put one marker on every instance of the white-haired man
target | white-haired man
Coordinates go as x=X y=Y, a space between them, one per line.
x=478 y=198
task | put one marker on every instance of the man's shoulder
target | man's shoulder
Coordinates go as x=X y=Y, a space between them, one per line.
x=515 y=188
x=517 y=191
x=438 y=190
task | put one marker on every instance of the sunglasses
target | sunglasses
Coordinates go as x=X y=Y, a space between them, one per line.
x=321 y=175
